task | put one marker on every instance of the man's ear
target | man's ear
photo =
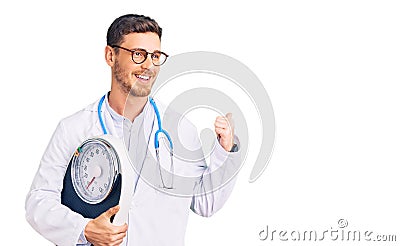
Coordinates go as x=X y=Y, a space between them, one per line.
x=109 y=56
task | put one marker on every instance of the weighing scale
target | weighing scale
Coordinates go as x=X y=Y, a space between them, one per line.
x=99 y=176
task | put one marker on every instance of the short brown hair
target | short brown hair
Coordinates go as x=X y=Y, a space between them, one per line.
x=131 y=23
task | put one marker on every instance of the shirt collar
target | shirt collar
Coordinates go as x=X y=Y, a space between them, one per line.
x=120 y=118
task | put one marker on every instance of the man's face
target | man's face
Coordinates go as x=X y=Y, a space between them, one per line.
x=132 y=78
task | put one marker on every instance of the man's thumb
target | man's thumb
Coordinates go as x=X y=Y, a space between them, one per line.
x=110 y=212
x=230 y=120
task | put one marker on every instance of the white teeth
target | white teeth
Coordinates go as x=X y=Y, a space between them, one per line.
x=143 y=77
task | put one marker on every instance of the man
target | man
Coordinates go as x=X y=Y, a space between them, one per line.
x=134 y=55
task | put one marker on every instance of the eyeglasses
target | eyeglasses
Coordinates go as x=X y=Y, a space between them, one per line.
x=140 y=55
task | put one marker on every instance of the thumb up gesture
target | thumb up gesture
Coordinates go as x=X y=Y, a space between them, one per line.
x=100 y=231
x=224 y=129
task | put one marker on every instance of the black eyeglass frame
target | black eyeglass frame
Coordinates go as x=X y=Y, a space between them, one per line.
x=147 y=54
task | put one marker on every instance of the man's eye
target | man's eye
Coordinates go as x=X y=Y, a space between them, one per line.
x=156 y=56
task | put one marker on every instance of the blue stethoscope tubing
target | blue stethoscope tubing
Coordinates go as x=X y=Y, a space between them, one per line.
x=160 y=129
x=156 y=137
x=103 y=126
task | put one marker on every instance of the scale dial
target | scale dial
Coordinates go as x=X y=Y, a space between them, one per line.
x=95 y=167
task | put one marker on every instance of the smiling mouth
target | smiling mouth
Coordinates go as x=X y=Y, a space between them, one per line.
x=142 y=77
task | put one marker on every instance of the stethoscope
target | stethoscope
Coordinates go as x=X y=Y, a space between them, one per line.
x=156 y=140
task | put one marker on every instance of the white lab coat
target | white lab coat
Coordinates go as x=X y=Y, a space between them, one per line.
x=155 y=218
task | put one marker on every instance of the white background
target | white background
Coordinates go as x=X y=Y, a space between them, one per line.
x=331 y=69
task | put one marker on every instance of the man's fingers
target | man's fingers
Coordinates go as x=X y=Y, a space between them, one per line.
x=100 y=231
x=219 y=130
x=117 y=243
x=223 y=133
x=118 y=235
x=221 y=124
x=227 y=118
x=121 y=229
x=221 y=119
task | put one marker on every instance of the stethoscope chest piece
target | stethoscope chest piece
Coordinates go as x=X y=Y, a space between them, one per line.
x=98 y=177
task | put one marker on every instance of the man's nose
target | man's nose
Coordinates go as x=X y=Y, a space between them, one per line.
x=148 y=63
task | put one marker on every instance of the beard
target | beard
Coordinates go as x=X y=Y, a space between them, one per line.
x=127 y=81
